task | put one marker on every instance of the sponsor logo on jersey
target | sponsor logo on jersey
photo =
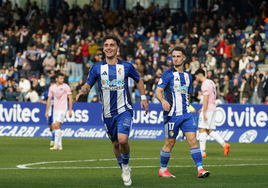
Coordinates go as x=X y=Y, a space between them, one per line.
x=181 y=89
x=248 y=136
x=112 y=85
x=177 y=79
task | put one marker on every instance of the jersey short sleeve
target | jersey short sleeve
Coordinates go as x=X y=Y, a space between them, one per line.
x=163 y=81
x=68 y=89
x=205 y=88
x=133 y=73
x=44 y=96
x=92 y=75
x=50 y=92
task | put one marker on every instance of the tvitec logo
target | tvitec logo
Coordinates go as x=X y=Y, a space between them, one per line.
x=113 y=82
x=245 y=117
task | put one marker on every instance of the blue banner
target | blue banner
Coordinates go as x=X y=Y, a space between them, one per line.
x=235 y=123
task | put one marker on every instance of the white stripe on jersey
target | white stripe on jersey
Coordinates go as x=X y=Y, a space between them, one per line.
x=178 y=97
x=187 y=84
x=173 y=106
x=106 y=93
x=120 y=76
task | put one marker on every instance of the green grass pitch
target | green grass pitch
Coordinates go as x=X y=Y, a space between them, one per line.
x=80 y=164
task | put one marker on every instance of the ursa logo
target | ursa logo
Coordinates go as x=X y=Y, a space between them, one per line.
x=248 y=136
x=113 y=82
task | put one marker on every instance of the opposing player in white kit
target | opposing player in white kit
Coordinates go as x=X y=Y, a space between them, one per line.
x=60 y=91
x=207 y=114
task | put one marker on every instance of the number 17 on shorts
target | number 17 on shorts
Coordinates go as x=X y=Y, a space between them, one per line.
x=171 y=131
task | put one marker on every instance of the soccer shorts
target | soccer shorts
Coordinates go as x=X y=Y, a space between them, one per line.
x=210 y=123
x=173 y=123
x=50 y=120
x=121 y=123
x=59 y=116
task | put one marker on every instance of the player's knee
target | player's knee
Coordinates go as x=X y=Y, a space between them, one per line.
x=123 y=141
x=170 y=145
x=116 y=145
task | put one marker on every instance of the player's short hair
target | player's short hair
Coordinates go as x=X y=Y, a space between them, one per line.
x=180 y=49
x=200 y=71
x=59 y=74
x=113 y=37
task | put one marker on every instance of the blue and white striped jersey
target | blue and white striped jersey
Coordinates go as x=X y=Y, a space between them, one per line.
x=44 y=98
x=113 y=85
x=177 y=87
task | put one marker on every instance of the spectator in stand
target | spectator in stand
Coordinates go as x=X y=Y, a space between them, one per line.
x=139 y=67
x=266 y=100
x=228 y=49
x=3 y=76
x=86 y=71
x=12 y=95
x=36 y=86
x=49 y=63
x=228 y=96
x=24 y=86
x=92 y=49
x=210 y=61
x=194 y=65
x=78 y=63
x=244 y=90
x=7 y=56
x=201 y=52
x=32 y=95
x=71 y=61
x=84 y=49
x=231 y=36
x=235 y=91
x=61 y=50
x=258 y=92
x=240 y=35
x=225 y=85
x=258 y=56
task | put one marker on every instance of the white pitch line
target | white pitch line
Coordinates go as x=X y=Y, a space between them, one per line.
x=114 y=167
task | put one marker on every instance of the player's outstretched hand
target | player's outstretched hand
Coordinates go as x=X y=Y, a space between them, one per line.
x=145 y=105
x=78 y=96
x=166 y=105
x=70 y=113
x=46 y=114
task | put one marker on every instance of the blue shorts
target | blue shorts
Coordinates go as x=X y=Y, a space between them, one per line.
x=50 y=120
x=120 y=123
x=173 y=123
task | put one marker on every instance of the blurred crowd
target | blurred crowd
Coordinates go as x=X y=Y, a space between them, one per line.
x=228 y=45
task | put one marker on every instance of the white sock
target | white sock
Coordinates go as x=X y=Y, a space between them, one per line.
x=162 y=169
x=217 y=138
x=57 y=136
x=60 y=138
x=202 y=141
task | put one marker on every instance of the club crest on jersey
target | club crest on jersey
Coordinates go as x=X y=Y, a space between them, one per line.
x=120 y=71
x=187 y=79
x=61 y=89
x=171 y=133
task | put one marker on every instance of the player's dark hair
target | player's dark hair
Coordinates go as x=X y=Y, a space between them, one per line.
x=180 y=49
x=200 y=71
x=113 y=37
x=59 y=74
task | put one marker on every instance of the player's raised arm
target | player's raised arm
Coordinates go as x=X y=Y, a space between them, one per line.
x=48 y=105
x=84 y=90
x=159 y=96
x=144 y=103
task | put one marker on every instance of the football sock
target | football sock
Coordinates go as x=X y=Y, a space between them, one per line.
x=202 y=141
x=119 y=161
x=60 y=138
x=125 y=158
x=53 y=136
x=57 y=132
x=197 y=157
x=164 y=158
x=217 y=137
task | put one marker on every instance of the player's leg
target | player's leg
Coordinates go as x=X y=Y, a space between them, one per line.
x=216 y=136
x=58 y=119
x=189 y=129
x=171 y=133
x=117 y=152
x=124 y=124
x=202 y=125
